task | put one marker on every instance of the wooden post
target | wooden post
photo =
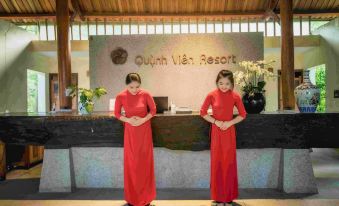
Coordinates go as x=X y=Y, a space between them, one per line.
x=287 y=55
x=64 y=52
x=2 y=161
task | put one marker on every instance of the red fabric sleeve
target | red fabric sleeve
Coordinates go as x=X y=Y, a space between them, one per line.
x=205 y=105
x=117 y=107
x=151 y=104
x=240 y=106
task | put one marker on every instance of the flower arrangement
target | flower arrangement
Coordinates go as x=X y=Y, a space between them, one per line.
x=252 y=80
x=87 y=97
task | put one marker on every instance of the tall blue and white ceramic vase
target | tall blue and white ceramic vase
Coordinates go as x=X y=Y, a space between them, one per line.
x=307 y=95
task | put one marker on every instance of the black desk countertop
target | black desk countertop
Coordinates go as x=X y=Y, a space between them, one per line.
x=285 y=129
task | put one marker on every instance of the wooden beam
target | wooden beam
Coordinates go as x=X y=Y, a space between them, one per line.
x=64 y=52
x=287 y=54
x=17 y=16
x=270 y=11
x=2 y=161
x=169 y=16
x=77 y=9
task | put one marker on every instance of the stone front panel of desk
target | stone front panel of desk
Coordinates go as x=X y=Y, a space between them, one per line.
x=177 y=132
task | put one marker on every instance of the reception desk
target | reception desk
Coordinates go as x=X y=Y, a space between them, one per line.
x=86 y=151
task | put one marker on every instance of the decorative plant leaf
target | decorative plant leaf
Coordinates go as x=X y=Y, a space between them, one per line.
x=261 y=85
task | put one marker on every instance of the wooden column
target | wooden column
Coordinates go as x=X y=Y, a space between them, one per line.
x=64 y=52
x=2 y=161
x=287 y=54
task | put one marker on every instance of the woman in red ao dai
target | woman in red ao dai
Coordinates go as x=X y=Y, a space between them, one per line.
x=139 y=178
x=224 y=178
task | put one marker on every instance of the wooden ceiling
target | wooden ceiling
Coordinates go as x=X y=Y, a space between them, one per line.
x=163 y=10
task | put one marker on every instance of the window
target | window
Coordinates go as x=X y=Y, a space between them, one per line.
x=261 y=27
x=75 y=31
x=253 y=26
x=125 y=29
x=109 y=29
x=184 y=28
x=201 y=28
x=168 y=29
x=142 y=29
x=81 y=31
x=159 y=29
x=296 y=28
x=42 y=32
x=277 y=29
x=101 y=29
x=150 y=29
x=84 y=31
x=134 y=29
x=193 y=27
x=210 y=28
x=270 y=28
x=176 y=28
x=227 y=27
x=218 y=28
x=235 y=26
x=244 y=27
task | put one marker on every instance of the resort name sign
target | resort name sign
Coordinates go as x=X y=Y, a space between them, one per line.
x=182 y=60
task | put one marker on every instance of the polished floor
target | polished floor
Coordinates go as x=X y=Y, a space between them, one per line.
x=21 y=188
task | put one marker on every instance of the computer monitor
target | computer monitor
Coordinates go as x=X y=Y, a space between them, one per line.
x=161 y=104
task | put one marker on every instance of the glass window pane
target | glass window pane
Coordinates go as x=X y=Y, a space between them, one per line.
x=176 y=28
x=117 y=29
x=125 y=29
x=84 y=32
x=244 y=27
x=227 y=27
x=218 y=28
x=159 y=29
x=235 y=26
x=296 y=28
x=142 y=29
x=253 y=26
x=101 y=29
x=50 y=30
x=261 y=27
x=270 y=28
x=43 y=34
x=134 y=29
x=92 y=29
x=167 y=29
x=150 y=29
x=305 y=28
x=210 y=28
x=277 y=29
x=193 y=27
x=109 y=28
x=184 y=28
x=201 y=28
x=75 y=31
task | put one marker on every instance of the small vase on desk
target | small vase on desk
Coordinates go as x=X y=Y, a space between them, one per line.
x=307 y=95
x=86 y=109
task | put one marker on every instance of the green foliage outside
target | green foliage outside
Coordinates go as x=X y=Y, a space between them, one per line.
x=32 y=91
x=320 y=79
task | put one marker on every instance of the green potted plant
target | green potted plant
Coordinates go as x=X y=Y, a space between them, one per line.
x=252 y=83
x=86 y=97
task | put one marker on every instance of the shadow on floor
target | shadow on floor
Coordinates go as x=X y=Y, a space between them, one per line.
x=27 y=189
